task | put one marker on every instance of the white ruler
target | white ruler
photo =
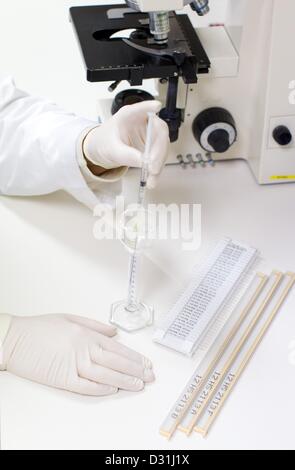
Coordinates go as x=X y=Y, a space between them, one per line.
x=212 y=285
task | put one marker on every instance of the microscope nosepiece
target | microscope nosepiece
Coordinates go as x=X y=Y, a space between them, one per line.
x=160 y=26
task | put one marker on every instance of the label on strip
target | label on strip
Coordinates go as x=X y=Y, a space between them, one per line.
x=244 y=356
x=223 y=367
x=211 y=287
x=204 y=369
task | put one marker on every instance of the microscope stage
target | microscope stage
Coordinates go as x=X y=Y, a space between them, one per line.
x=109 y=58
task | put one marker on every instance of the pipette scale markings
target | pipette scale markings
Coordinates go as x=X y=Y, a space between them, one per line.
x=130 y=314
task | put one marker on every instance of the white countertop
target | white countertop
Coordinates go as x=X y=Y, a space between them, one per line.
x=50 y=262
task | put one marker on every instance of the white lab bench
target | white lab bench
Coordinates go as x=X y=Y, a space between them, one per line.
x=50 y=262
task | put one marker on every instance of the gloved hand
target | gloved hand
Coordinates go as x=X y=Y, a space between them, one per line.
x=120 y=141
x=73 y=353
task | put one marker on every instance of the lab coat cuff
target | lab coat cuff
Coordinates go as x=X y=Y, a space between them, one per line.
x=5 y=321
x=107 y=176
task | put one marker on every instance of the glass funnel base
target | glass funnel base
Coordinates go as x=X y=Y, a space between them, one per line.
x=131 y=318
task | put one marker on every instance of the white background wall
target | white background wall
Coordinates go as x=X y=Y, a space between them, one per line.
x=38 y=47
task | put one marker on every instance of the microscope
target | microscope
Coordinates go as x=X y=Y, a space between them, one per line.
x=227 y=88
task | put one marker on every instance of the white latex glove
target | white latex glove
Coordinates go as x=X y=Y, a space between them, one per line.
x=73 y=353
x=120 y=141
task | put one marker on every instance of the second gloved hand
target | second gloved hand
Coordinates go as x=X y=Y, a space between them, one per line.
x=73 y=353
x=120 y=141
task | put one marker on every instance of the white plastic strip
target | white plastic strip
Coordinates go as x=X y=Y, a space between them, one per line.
x=211 y=287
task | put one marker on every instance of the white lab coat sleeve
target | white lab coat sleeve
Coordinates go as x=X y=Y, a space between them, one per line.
x=38 y=148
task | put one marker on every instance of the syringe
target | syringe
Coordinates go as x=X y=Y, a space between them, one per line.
x=130 y=314
x=134 y=259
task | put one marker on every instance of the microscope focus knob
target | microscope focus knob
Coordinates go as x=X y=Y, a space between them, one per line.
x=219 y=140
x=282 y=135
x=215 y=130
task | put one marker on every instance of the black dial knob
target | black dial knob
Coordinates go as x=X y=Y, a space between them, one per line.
x=219 y=140
x=282 y=135
x=215 y=130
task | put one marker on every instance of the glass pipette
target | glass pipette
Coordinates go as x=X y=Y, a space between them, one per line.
x=130 y=314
